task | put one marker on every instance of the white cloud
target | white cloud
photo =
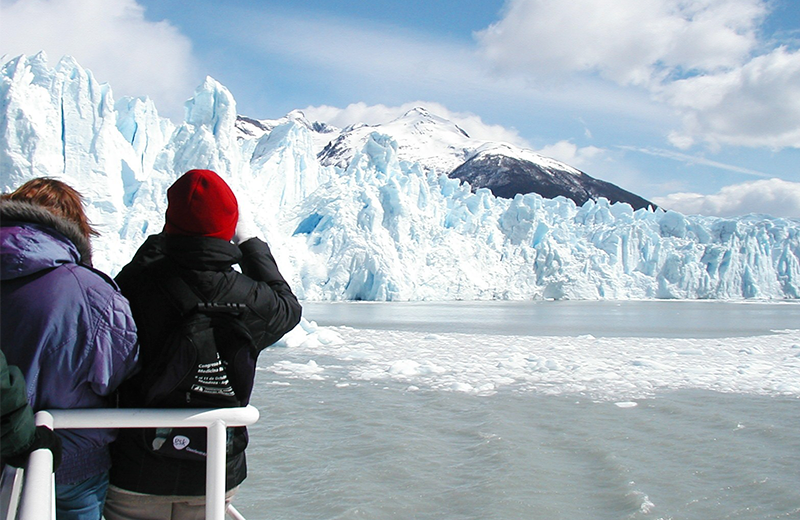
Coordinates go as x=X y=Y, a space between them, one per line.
x=569 y=153
x=378 y=62
x=703 y=58
x=111 y=38
x=377 y=114
x=626 y=41
x=757 y=104
x=356 y=113
x=774 y=197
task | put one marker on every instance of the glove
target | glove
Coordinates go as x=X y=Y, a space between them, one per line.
x=44 y=438
x=245 y=230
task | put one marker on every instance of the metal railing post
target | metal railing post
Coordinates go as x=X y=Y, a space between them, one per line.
x=37 y=496
x=39 y=479
x=215 y=471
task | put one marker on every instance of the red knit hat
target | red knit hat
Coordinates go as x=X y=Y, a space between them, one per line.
x=200 y=203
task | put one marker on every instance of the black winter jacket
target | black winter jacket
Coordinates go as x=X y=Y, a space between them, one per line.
x=17 y=427
x=206 y=265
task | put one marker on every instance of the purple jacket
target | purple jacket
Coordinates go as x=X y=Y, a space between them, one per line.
x=65 y=325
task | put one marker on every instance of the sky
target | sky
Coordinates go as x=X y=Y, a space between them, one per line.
x=694 y=105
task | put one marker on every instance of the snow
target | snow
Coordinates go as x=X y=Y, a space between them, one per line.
x=376 y=220
x=620 y=370
x=435 y=143
x=521 y=154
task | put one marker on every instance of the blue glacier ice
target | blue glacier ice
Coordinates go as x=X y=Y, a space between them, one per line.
x=378 y=227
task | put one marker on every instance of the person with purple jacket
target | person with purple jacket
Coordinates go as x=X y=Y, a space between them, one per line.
x=66 y=326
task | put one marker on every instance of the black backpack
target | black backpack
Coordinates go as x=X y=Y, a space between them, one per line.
x=207 y=361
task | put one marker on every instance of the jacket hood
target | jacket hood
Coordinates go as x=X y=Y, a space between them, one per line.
x=33 y=239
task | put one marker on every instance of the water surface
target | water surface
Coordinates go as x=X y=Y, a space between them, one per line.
x=661 y=318
x=343 y=438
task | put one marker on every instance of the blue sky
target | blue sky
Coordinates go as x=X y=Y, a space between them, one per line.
x=695 y=105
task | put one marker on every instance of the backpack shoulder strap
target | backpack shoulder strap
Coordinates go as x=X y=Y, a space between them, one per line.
x=239 y=290
x=175 y=288
x=187 y=300
x=183 y=297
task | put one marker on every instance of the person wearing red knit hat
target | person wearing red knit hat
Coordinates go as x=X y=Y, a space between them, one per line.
x=201 y=204
x=204 y=236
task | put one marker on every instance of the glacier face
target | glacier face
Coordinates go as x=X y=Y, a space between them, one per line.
x=377 y=227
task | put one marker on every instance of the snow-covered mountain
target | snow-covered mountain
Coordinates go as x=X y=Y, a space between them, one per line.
x=438 y=145
x=435 y=143
x=360 y=214
x=508 y=171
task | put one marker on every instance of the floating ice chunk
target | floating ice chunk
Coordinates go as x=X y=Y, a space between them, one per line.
x=460 y=386
x=619 y=370
x=310 y=334
x=649 y=363
x=308 y=370
x=404 y=367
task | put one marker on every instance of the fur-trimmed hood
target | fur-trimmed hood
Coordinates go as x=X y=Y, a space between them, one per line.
x=34 y=239
x=65 y=325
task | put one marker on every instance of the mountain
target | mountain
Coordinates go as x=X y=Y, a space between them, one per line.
x=435 y=143
x=360 y=214
x=439 y=145
x=507 y=171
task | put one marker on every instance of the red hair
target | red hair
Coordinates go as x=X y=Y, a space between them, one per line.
x=58 y=198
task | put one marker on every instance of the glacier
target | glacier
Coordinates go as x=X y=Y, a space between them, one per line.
x=380 y=226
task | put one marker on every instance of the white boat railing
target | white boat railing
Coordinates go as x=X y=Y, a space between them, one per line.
x=33 y=494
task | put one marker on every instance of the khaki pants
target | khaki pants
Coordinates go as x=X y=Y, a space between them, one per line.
x=127 y=505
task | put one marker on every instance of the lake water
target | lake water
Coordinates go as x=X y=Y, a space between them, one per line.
x=660 y=319
x=391 y=416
